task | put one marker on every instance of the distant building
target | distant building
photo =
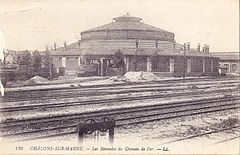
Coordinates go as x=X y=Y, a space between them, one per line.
x=229 y=60
x=10 y=60
x=9 y=67
x=143 y=47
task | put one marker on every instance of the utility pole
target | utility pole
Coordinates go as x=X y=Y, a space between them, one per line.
x=4 y=59
x=4 y=67
x=184 y=62
x=50 y=69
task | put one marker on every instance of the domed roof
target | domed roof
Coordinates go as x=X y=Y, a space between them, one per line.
x=127 y=18
x=126 y=22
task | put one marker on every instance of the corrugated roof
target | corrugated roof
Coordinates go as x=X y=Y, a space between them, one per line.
x=226 y=55
x=110 y=51
x=126 y=22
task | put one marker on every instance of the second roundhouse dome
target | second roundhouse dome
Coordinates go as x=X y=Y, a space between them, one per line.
x=127 y=27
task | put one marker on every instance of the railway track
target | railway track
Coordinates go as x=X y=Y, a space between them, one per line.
x=122 y=90
x=237 y=127
x=128 y=84
x=61 y=125
x=114 y=99
x=91 y=91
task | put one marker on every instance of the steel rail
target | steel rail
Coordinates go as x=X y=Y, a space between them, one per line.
x=68 y=93
x=101 y=101
x=203 y=134
x=150 y=120
x=146 y=108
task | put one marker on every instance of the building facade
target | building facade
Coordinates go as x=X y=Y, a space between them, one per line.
x=142 y=47
x=229 y=60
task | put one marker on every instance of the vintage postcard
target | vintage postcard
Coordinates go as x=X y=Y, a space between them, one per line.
x=119 y=77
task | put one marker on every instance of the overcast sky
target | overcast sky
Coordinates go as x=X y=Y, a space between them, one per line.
x=35 y=24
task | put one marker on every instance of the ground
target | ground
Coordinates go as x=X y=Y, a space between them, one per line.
x=202 y=133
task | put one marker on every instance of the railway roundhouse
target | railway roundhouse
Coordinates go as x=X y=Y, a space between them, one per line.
x=140 y=46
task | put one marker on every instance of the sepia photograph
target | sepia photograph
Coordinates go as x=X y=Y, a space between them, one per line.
x=119 y=77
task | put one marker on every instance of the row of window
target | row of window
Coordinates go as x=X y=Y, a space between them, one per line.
x=231 y=68
x=60 y=58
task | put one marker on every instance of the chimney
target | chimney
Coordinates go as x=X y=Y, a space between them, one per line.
x=136 y=44
x=79 y=43
x=207 y=49
x=156 y=44
x=204 y=48
x=188 y=46
x=184 y=47
x=65 y=45
x=174 y=47
x=55 y=46
x=198 y=47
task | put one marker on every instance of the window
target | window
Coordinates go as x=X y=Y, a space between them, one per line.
x=226 y=66
x=234 y=67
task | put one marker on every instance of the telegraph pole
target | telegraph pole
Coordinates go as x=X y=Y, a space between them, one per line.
x=4 y=67
x=4 y=59
x=184 y=62
x=50 y=69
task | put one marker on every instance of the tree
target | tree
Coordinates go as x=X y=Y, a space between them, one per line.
x=25 y=62
x=24 y=58
x=46 y=59
x=48 y=68
x=37 y=61
x=118 y=60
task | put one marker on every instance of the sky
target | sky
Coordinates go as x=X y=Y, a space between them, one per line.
x=33 y=24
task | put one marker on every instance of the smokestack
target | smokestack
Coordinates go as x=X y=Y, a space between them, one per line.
x=65 y=45
x=207 y=49
x=198 y=47
x=188 y=46
x=136 y=44
x=204 y=48
x=156 y=44
x=79 y=43
x=184 y=47
x=55 y=46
